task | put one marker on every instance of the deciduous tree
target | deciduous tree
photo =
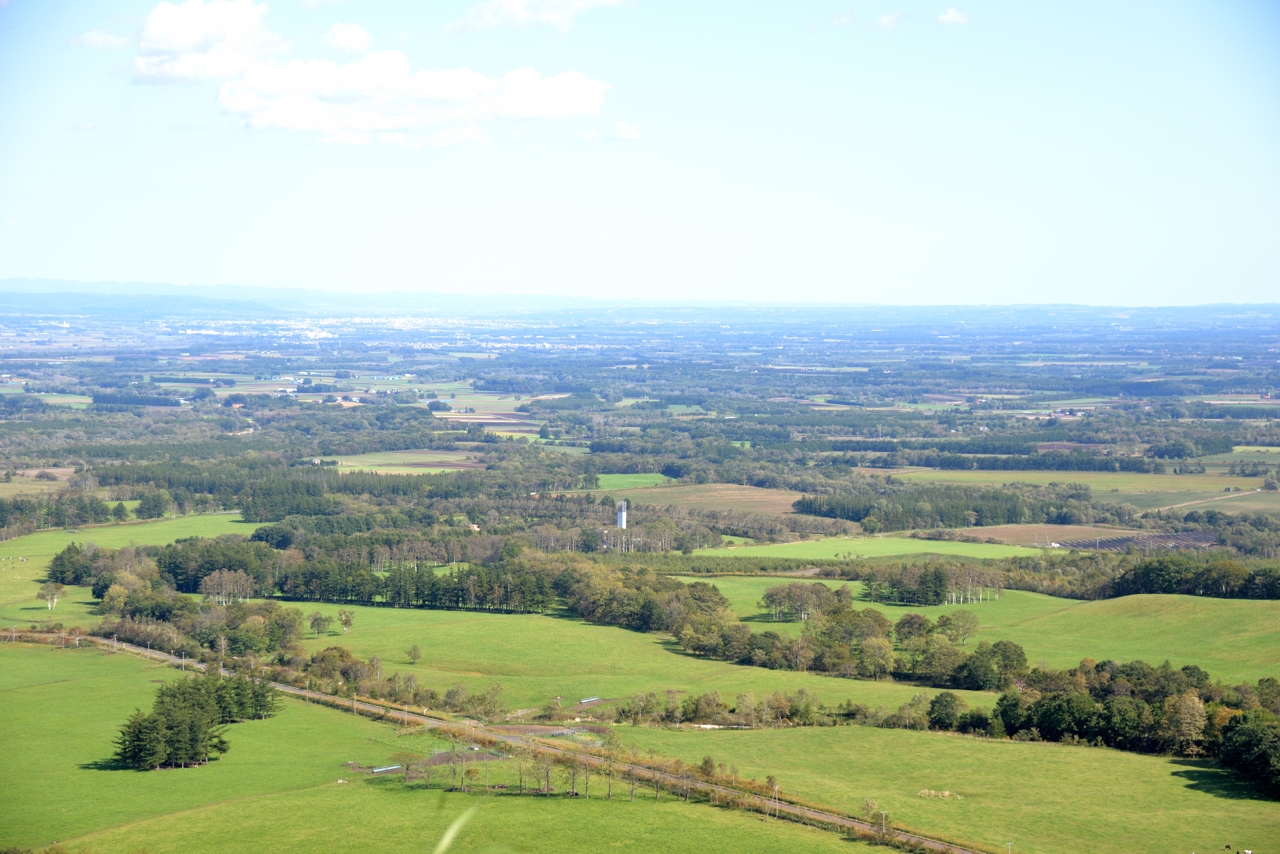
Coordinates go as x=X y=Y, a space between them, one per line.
x=51 y=592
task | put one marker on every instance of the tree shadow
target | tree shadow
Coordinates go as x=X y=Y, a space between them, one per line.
x=1204 y=775
x=111 y=764
x=767 y=620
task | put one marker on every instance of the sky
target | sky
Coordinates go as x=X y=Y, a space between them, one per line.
x=893 y=152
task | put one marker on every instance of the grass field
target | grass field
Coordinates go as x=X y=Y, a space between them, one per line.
x=1234 y=639
x=1100 y=482
x=29 y=486
x=837 y=547
x=409 y=462
x=714 y=496
x=392 y=818
x=536 y=658
x=1044 y=798
x=18 y=579
x=1249 y=502
x=277 y=790
x=1156 y=500
x=632 y=481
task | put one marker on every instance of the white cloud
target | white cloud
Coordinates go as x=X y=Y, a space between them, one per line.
x=457 y=136
x=352 y=37
x=524 y=13
x=101 y=39
x=380 y=93
x=626 y=131
x=888 y=22
x=89 y=126
x=953 y=16
x=201 y=41
x=314 y=4
x=842 y=20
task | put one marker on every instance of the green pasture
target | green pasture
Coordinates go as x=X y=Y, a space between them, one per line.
x=1251 y=501
x=64 y=708
x=536 y=657
x=1242 y=454
x=1044 y=798
x=1233 y=639
x=389 y=818
x=19 y=580
x=837 y=547
x=1248 y=502
x=632 y=481
x=1100 y=482
x=277 y=787
x=113 y=536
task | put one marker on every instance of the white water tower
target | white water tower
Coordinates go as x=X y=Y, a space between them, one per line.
x=622 y=515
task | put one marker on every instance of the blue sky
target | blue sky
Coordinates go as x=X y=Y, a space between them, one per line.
x=887 y=152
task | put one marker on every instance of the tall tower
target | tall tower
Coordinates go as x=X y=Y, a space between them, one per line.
x=622 y=515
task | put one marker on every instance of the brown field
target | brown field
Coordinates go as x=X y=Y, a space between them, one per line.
x=29 y=486
x=1030 y=535
x=714 y=496
x=410 y=462
x=62 y=473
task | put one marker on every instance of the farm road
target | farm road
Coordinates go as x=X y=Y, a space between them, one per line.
x=673 y=782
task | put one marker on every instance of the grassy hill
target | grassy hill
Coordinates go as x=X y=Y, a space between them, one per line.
x=277 y=788
x=1044 y=798
x=1234 y=639
x=536 y=658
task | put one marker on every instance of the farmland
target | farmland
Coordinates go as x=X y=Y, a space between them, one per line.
x=830 y=548
x=280 y=780
x=631 y=481
x=1101 y=483
x=541 y=657
x=1235 y=640
x=710 y=496
x=409 y=462
x=21 y=485
x=501 y=590
x=1033 y=535
x=18 y=579
x=1035 y=795
x=337 y=818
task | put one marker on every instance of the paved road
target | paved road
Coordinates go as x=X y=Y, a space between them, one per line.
x=672 y=781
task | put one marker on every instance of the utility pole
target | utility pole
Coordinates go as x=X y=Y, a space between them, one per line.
x=1009 y=845
x=883 y=823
